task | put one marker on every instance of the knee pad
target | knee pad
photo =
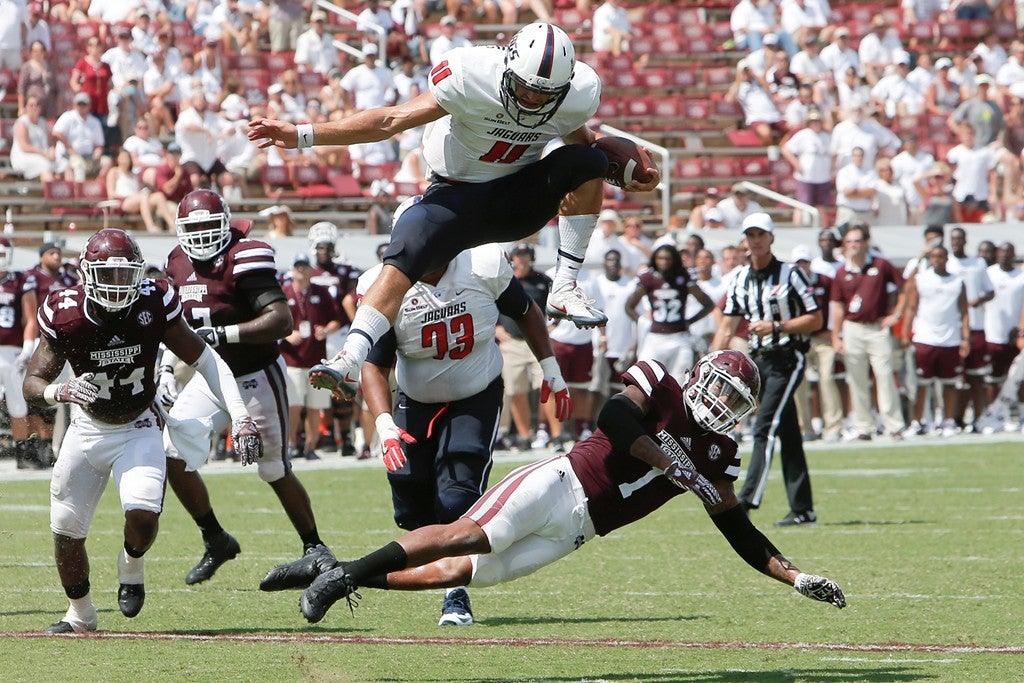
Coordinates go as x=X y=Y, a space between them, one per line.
x=271 y=471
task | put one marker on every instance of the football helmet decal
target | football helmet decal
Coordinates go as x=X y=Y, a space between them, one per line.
x=203 y=224
x=540 y=59
x=6 y=254
x=723 y=389
x=112 y=269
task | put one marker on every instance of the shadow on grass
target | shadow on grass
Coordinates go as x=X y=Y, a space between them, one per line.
x=527 y=621
x=877 y=522
x=888 y=674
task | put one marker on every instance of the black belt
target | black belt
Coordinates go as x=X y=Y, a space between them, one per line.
x=772 y=351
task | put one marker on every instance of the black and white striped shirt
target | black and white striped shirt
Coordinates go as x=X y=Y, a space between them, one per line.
x=779 y=292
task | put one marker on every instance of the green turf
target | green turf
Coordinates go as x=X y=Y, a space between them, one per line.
x=925 y=540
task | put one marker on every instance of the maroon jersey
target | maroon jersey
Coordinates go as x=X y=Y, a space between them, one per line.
x=622 y=489
x=46 y=283
x=213 y=294
x=340 y=279
x=864 y=293
x=121 y=351
x=13 y=286
x=667 y=299
x=313 y=308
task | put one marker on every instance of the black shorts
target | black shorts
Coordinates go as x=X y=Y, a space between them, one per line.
x=445 y=472
x=453 y=217
x=192 y=168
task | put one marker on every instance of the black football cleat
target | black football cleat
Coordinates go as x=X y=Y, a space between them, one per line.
x=302 y=572
x=219 y=550
x=59 y=628
x=130 y=597
x=326 y=590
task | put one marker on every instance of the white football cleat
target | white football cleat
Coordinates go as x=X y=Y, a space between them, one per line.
x=340 y=376
x=569 y=303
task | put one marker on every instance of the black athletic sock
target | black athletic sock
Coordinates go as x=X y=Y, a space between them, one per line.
x=132 y=552
x=310 y=538
x=379 y=581
x=79 y=590
x=209 y=525
x=390 y=558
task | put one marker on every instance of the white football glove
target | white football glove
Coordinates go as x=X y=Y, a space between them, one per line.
x=554 y=385
x=166 y=387
x=245 y=438
x=694 y=481
x=820 y=588
x=391 y=437
x=78 y=390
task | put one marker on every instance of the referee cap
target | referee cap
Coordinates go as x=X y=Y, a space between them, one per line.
x=760 y=221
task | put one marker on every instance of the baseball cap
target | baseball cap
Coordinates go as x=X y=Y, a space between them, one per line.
x=522 y=248
x=318 y=15
x=275 y=88
x=448 y=20
x=274 y=209
x=122 y=31
x=739 y=188
x=770 y=39
x=760 y=221
x=610 y=215
x=943 y=63
x=47 y=246
x=714 y=214
x=801 y=252
x=301 y=260
x=712 y=192
x=369 y=49
x=82 y=98
x=901 y=58
x=984 y=79
x=842 y=31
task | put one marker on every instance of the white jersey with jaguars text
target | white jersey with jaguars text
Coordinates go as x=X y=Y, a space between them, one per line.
x=445 y=332
x=479 y=141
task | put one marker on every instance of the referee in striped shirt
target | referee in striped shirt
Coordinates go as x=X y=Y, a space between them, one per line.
x=776 y=299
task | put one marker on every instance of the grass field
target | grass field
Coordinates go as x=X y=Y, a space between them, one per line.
x=925 y=538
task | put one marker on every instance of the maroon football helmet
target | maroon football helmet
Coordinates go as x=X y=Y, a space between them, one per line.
x=203 y=224
x=722 y=390
x=112 y=269
x=6 y=254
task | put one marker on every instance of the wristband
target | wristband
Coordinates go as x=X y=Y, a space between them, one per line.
x=231 y=334
x=50 y=394
x=305 y=133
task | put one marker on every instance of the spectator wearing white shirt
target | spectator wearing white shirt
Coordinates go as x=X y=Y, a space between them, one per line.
x=993 y=56
x=878 y=49
x=198 y=132
x=796 y=111
x=1003 y=315
x=159 y=81
x=737 y=206
x=123 y=58
x=973 y=173
x=890 y=201
x=114 y=11
x=281 y=107
x=801 y=18
x=894 y=94
x=368 y=85
x=1012 y=71
x=79 y=138
x=611 y=28
x=698 y=217
x=807 y=151
x=750 y=21
x=763 y=57
x=807 y=64
x=761 y=115
x=838 y=55
x=147 y=152
x=851 y=90
x=855 y=190
x=143 y=37
x=907 y=166
x=373 y=15
x=446 y=41
x=314 y=50
x=856 y=130
x=606 y=237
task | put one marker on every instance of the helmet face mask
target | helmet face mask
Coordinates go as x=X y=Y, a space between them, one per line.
x=539 y=60
x=203 y=224
x=722 y=390
x=6 y=255
x=112 y=270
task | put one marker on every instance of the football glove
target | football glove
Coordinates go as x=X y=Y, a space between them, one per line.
x=22 y=362
x=214 y=336
x=166 y=387
x=245 y=438
x=78 y=390
x=554 y=385
x=820 y=588
x=694 y=481
x=391 y=438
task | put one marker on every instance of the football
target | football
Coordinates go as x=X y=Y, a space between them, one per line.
x=627 y=161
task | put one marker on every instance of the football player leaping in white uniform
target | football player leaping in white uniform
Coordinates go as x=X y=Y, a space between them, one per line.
x=491 y=114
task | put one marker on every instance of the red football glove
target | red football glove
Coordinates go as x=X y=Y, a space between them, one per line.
x=554 y=384
x=391 y=437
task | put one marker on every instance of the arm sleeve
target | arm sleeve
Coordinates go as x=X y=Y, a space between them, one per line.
x=385 y=351
x=749 y=543
x=514 y=301
x=218 y=376
x=620 y=419
x=261 y=288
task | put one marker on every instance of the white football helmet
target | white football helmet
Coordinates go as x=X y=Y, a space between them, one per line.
x=540 y=58
x=323 y=232
x=112 y=269
x=723 y=389
x=6 y=254
x=203 y=224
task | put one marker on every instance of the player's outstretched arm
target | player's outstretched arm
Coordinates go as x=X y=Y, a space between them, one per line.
x=759 y=552
x=370 y=125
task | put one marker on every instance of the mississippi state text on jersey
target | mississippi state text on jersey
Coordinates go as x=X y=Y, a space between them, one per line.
x=120 y=349
x=479 y=141
x=451 y=326
x=667 y=299
x=13 y=286
x=622 y=489
x=213 y=294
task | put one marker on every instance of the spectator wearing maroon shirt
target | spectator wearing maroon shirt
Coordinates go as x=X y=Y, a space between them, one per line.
x=169 y=177
x=315 y=315
x=867 y=300
x=93 y=76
